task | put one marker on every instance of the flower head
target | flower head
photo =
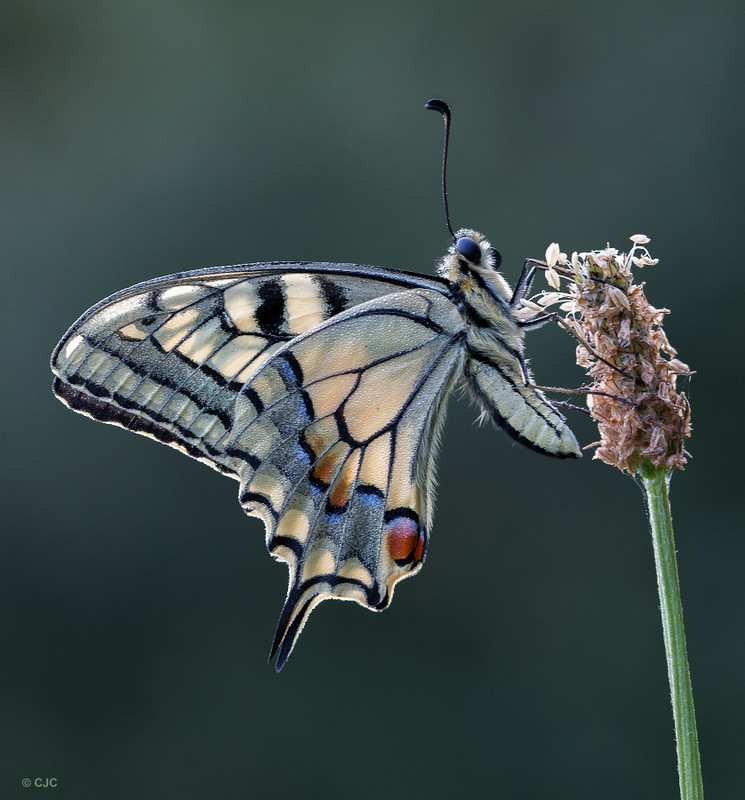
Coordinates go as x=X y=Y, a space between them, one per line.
x=632 y=366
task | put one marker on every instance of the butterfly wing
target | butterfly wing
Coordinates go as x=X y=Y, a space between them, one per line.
x=336 y=435
x=168 y=357
x=319 y=387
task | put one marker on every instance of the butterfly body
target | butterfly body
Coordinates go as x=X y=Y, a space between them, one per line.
x=321 y=388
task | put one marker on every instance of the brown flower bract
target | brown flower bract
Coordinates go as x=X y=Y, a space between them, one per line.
x=611 y=313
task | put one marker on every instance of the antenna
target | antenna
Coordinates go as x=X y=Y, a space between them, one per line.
x=440 y=105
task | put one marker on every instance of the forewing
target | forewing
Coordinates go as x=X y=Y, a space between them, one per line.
x=169 y=357
x=335 y=436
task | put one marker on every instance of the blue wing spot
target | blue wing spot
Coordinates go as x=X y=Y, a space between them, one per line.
x=304 y=450
x=290 y=370
x=370 y=495
x=306 y=406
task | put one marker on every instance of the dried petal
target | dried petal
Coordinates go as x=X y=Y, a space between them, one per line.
x=553 y=251
x=678 y=367
x=618 y=298
x=640 y=238
x=552 y=278
x=549 y=298
x=575 y=266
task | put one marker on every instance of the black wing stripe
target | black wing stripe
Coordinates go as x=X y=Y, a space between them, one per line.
x=87 y=403
x=270 y=313
x=177 y=388
x=335 y=296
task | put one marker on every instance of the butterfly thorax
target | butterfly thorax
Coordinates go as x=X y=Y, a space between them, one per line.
x=483 y=296
x=495 y=369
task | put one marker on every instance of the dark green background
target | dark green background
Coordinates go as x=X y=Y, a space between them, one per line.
x=145 y=137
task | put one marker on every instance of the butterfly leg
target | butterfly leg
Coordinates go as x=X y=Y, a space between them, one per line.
x=525 y=281
x=538 y=320
x=522 y=289
x=541 y=318
x=579 y=390
x=563 y=323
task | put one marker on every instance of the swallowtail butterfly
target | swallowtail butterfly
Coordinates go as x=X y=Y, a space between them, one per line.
x=320 y=388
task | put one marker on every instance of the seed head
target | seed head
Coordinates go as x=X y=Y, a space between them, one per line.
x=626 y=354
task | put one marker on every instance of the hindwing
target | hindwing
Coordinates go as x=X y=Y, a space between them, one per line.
x=335 y=436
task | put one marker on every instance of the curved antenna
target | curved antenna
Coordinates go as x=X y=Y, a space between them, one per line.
x=440 y=105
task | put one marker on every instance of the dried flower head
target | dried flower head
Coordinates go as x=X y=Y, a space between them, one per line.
x=626 y=354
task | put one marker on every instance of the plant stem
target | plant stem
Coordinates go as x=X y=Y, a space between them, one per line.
x=654 y=483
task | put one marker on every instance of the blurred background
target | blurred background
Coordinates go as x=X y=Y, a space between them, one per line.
x=138 y=602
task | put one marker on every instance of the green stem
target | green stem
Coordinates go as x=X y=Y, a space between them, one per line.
x=654 y=482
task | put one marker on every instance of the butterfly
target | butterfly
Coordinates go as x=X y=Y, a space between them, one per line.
x=321 y=388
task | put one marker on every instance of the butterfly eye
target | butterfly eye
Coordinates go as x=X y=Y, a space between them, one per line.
x=496 y=257
x=468 y=249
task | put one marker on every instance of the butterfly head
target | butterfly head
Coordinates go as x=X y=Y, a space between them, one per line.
x=471 y=258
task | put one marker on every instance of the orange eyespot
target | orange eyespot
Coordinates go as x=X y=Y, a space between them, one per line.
x=405 y=541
